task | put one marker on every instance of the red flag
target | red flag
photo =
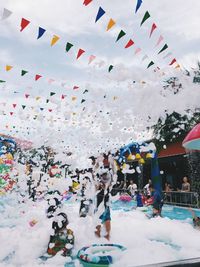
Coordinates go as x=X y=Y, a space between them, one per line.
x=87 y=2
x=37 y=77
x=152 y=29
x=75 y=87
x=27 y=95
x=50 y=110
x=14 y=105
x=173 y=61
x=63 y=96
x=80 y=52
x=11 y=113
x=24 y=24
x=130 y=43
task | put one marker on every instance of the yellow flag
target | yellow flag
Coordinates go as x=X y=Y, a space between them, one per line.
x=177 y=66
x=54 y=40
x=111 y=23
x=73 y=98
x=8 y=67
x=37 y=97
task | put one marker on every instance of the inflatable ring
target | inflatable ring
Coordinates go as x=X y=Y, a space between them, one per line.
x=98 y=254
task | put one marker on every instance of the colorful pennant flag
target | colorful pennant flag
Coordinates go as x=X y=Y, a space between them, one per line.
x=87 y=2
x=1 y=81
x=52 y=93
x=41 y=31
x=75 y=87
x=120 y=35
x=14 y=105
x=139 y=2
x=172 y=62
x=111 y=23
x=68 y=46
x=82 y=101
x=37 y=77
x=54 y=40
x=27 y=95
x=146 y=16
x=11 y=113
x=130 y=43
x=100 y=13
x=8 y=67
x=23 y=106
x=150 y=64
x=23 y=72
x=50 y=110
x=6 y=13
x=152 y=29
x=177 y=66
x=110 y=68
x=73 y=98
x=138 y=50
x=160 y=40
x=163 y=49
x=24 y=24
x=80 y=52
x=168 y=54
x=91 y=58
x=63 y=96
x=50 y=81
x=86 y=91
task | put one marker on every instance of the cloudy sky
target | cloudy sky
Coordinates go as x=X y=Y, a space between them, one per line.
x=129 y=91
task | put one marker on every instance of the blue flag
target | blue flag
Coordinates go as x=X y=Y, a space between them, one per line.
x=155 y=174
x=41 y=32
x=139 y=2
x=100 y=13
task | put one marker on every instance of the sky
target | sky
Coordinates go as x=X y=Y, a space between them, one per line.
x=118 y=105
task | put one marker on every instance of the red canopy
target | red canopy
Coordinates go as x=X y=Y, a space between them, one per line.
x=192 y=140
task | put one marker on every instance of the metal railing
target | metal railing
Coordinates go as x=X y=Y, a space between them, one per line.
x=177 y=198
x=180 y=198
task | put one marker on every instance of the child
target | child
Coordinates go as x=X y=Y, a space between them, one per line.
x=196 y=219
x=63 y=238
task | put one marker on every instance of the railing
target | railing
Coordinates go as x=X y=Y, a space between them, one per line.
x=177 y=198
x=180 y=198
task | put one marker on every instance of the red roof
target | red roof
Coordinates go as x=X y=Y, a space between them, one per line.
x=173 y=149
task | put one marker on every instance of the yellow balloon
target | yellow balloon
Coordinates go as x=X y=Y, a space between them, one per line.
x=138 y=156
x=141 y=161
x=148 y=156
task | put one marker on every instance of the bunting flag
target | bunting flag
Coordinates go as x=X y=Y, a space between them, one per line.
x=82 y=101
x=11 y=113
x=24 y=24
x=68 y=47
x=80 y=52
x=37 y=98
x=50 y=81
x=50 y=110
x=137 y=50
x=87 y=2
x=63 y=96
x=27 y=95
x=130 y=43
x=152 y=29
x=8 y=67
x=100 y=13
x=150 y=64
x=110 y=68
x=41 y=109
x=14 y=105
x=168 y=54
x=73 y=98
x=120 y=35
x=111 y=23
x=159 y=40
x=23 y=106
x=75 y=87
x=86 y=91
x=23 y=72
x=146 y=16
x=47 y=101
x=177 y=66
x=1 y=81
x=91 y=58
x=139 y=2
x=37 y=77
x=52 y=93
x=41 y=31
x=172 y=62
x=6 y=13
x=163 y=49
x=54 y=40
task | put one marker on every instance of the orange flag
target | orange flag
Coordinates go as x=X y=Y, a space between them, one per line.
x=54 y=40
x=111 y=23
x=8 y=67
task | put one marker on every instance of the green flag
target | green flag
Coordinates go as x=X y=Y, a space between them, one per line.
x=110 y=68
x=120 y=35
x=150 y=64
x=52 y=93
x=1 y=81
x=24 y=72
x=47 y=101
x=68 y=46
x=146 y=16
x=23 y=106
x=163 y=49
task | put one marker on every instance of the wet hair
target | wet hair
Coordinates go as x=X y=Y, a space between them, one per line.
x=64 y=222
x=196 y=222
